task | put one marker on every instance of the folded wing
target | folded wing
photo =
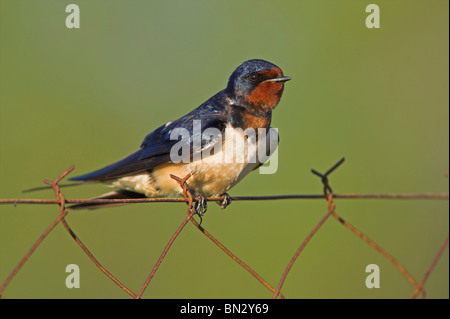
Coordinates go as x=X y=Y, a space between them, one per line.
x=157 y=145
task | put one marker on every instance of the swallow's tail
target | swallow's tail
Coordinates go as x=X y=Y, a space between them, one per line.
x=119 y=194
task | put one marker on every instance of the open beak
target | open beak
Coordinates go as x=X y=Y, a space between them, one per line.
x=280 y=79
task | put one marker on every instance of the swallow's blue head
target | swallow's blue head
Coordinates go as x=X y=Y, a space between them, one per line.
x=257 y=83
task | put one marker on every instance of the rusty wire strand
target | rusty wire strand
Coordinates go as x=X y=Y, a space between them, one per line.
x=191 y=212
x=388 y=256
x=331 y=207
x=28 y=254
x=443 y=196
x=61 y=218
x=95 y=261
x=61 y=201
x=62 y=213
x=428 y=272
x=59 y=195
x=166 y=249
x=235 y=258
x=188 y=195
x=327 y=193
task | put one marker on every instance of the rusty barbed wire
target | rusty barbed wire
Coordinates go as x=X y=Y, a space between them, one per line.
x=189 y=200
x=234 y=198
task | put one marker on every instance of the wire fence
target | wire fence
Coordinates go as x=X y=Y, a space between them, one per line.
x=328 y=195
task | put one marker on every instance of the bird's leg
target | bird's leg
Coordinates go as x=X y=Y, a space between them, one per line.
x=226 y=201
x=201 y=205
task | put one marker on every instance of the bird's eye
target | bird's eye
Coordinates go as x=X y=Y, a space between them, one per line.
x=254 y=77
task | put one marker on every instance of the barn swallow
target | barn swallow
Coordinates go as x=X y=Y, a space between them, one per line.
x=253 y=91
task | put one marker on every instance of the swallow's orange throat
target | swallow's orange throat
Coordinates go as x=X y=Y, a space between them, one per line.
x=243 y=119
x=267 y=94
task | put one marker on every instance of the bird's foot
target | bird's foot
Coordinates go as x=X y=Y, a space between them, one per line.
x=201 y=205
x=225 y=202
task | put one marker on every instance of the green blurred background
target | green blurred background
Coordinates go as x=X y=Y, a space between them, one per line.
x=89 y=96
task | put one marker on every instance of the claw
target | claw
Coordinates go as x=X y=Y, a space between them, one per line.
x=200 y=206
x=226 y=201
x=200 y=216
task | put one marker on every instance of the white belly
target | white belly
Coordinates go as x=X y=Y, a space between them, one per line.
x=214 y=174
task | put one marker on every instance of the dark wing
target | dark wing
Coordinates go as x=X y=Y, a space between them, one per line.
x=128 y=165
x=118 y=194
x=157 y=145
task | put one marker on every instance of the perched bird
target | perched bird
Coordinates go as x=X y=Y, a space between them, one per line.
x=253 y=91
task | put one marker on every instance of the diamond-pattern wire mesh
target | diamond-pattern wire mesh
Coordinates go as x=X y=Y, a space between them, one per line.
x=417 y=286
